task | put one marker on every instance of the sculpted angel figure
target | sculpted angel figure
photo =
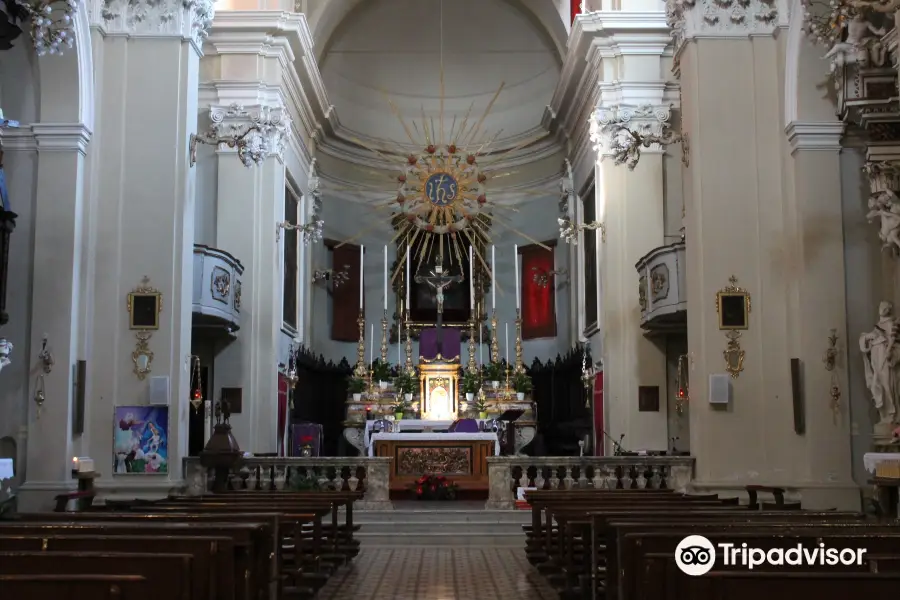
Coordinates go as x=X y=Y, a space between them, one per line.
x=862 y=44
x=885 y=206
x=881 y=356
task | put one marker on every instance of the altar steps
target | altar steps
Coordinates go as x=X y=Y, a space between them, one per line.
x=442 y=527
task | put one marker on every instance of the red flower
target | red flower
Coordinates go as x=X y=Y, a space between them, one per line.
x=470 y=159
x=482 y=199
x=451 y=148
x=401 y=178
x=430 y=149
x=306 y=439
x=433 y=488
x=411 y=159
x=419 y=490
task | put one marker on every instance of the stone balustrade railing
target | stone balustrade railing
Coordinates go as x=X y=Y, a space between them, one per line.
x=267 y=474
x=508 y=473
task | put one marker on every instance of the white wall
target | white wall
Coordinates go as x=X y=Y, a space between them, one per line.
x=343 y=219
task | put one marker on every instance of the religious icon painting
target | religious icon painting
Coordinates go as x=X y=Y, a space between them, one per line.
x=141 y=440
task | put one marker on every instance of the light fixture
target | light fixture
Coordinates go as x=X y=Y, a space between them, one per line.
x=256 y=133
x=568 y=231
x=542 y=277
x=625 y=130
x=336 y=277
x=51 y=22
x=310 y=232
x=196 y=384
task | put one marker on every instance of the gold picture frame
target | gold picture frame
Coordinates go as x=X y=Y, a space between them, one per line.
x=733 y=307
x=144 y=307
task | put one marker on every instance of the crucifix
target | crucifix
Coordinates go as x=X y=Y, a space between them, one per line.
x=439 y=282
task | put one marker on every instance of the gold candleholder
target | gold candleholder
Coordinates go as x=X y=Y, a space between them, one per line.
x=495 y=345
x=361 y=369
x=473 y=364
x=384 y=338
x=520 y=364
x=409 y=361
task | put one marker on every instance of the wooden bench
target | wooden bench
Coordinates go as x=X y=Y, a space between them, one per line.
x=77 y=587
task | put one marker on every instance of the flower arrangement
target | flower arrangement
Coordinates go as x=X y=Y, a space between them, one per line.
x=435 y=487
x=306 y=445
x=480 y=405
x=494 y=371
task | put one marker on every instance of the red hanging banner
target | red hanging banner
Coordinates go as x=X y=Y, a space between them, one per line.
x=576 y=9
x=599 y=438
x=283 y=416
x=345 y=297
x=538 y=292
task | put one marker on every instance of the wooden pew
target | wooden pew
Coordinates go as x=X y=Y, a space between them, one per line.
x=78 y=587
x=253 y=538
x=212 y=566
x=169 y=574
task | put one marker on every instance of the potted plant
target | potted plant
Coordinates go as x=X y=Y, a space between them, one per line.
x=356 y=386
x=471 y=384
x=481 y=406
x=405 y=385
x=434 y=487
x=493 y=372
x=522 y=383
x=381 y=372
x=398 y=411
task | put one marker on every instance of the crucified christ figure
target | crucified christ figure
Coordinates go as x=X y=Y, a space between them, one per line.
x=439 y=282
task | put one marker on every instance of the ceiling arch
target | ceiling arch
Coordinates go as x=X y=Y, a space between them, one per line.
x=331 y=13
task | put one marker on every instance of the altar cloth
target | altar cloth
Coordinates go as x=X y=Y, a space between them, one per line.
x=411 y=424
x=435 y=437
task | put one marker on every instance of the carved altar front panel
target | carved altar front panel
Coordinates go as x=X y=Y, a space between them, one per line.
x=464 y=462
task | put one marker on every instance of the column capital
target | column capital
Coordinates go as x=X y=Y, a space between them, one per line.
x=61 y=137
x=256 y=132
x=722 y=19
x=185 y=19
x=616 y=128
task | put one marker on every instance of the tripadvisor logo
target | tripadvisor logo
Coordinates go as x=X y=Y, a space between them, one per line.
x=695 y=555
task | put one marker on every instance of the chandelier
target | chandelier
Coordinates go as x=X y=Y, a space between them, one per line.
x=51 y=23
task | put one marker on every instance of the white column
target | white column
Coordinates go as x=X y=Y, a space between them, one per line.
x=146 y=76
x=770 y=215
x=631 y=206
x=55 y=309
x=250 y=202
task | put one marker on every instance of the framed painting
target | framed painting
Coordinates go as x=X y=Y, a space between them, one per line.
x=141 y=440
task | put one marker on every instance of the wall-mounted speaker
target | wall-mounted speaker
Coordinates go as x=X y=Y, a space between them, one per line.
x=719 y=389
x=159 y=389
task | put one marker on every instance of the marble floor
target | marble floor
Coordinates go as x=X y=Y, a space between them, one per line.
x=438 y=573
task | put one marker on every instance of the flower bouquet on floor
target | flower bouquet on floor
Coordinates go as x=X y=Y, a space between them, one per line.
x=435 y=487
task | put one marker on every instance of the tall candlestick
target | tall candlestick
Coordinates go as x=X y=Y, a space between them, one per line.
x=493 y=279
x=408 y=251
x=385 y=278
x=372 y=341
x=471 y=282
x=362 y=254
x=507 y=343
x=516 y=263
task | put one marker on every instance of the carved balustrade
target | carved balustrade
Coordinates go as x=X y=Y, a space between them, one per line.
x=268 y=474
x=507 y=474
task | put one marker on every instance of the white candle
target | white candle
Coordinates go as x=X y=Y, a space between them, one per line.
x=399 y=356
x=372 y=342
x=408 y=252
x=385 y=279
x=471 y=282
x=480 y=347
x=493 y=278
x=516 y=262
x=507 y=343
x=362 y=254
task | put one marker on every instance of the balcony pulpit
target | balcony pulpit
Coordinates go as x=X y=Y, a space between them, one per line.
x=450 y=347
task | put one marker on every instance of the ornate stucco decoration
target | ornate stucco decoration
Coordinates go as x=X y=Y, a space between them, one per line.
x=850 y=29
x=190 y=19
x=720 y=18
x=884 y=204
x=621 y=131
x=257 y=132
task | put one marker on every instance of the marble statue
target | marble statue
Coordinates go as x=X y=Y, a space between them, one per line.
x=6 y=349
x=885 y=206
x=881 y=356
x=862 y=45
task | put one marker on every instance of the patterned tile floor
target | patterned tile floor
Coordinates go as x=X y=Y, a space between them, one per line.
x=438 y=573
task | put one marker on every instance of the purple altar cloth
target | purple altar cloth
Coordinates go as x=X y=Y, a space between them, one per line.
x=428 y=343
x=464 y=426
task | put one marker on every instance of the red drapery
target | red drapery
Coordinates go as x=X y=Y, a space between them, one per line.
x=282 y=413
x=345 y=297
x=576 y=8
x=538 y=301
x=599 y=438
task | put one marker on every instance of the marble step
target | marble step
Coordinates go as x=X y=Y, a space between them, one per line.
x=423 y=526
x=444 y=515
x=442 y=527
x=432 y=537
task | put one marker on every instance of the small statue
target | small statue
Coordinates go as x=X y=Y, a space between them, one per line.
x=885 y=205
x=881 y=356
x=6 y=349
x=862 y=45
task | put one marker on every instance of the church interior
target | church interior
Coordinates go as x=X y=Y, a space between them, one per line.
x=449 y=298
